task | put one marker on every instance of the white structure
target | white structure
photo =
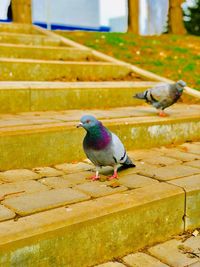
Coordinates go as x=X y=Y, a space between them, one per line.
x=4 y=9
x=153 y=17
x=74 y=13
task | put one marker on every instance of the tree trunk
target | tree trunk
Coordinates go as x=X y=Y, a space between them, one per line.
x=176 y=25
x=21 y=11
x=133 y=16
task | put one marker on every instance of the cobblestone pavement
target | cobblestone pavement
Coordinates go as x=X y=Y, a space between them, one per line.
x=24 y=192
x=181 y=251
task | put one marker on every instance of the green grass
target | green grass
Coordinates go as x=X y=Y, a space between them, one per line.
x=171 y=56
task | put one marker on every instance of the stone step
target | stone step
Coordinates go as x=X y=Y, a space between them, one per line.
x=48 y=213
x=45 y=138
x=44 y=96
x=28 y=39
x=18 y=28
x=42 y=70
x=44 y=52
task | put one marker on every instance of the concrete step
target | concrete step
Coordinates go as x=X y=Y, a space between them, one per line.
x=47 y=214
x=18 y=28
x=46 y=138
x=44 y=96
x=42 y=70
x=44 y=52
x=28 y=39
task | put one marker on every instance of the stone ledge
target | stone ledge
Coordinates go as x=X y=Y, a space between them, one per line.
x=118 y=221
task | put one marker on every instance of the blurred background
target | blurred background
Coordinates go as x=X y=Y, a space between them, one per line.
x=146 y=17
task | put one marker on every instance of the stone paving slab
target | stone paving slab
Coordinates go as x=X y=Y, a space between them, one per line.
x=71 y=168
x=22 y=187
x=180 y=252
x=48 y=172
x=171 y=252
x=56 y=182
x=27 y=204
x=191 y=148
x=142 y=260
x=30 y=118
x=98 y=189
x=18 y=175
x=136 y=181
x=170 y=172
x=195 y=163
x=178 y=154
x=5 y=213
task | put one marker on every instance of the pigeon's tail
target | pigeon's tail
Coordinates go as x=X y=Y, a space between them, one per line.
x=128 y=163
x=140 y=95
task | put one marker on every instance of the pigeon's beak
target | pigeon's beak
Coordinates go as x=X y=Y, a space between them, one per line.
x=79 y=125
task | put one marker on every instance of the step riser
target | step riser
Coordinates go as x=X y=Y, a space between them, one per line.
x=118 y=231
x=18 y=28
x=58 y=145
x=38 y=71
x=44 y=53
x=29 y=40
x=24 y=100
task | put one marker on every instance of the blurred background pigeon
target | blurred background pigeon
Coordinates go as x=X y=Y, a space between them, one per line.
x=102 y=147
x=163 y=95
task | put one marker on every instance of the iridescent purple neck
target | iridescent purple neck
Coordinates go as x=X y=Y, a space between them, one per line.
x=97 y=137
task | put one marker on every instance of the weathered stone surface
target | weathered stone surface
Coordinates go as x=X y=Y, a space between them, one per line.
x=191 y=186
x=11 y=189
x=41 y=70
x=47 y=172
x=142 y=260
x=195 y=163
x=14 y=100
x=32 y=203
x=194 y=243
x=98 y=189
x=136 y=181
x=179 y=154
x=117 y=215
x=111 y=264
x=161 y=160
x=18 y=175
x=196 y=264
x=56 y=182
x=44 y=52
x=191 y=148
x=170 y=172
x=145 y=153
x=78 y=178
x=28 y=39
x=170 y=253
x=6 y=214
x=76 y=167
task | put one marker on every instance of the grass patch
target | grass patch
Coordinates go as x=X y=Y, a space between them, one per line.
x=171 y=56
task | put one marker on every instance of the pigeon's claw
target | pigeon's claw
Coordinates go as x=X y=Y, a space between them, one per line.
x=162 y=114
x=95 y=177
x=114 y=176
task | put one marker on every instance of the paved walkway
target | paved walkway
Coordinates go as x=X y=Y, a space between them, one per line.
x=24 y=192
x=181 y=251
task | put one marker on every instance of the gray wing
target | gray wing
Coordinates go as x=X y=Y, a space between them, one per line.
x=119 y=152
x=162 y=96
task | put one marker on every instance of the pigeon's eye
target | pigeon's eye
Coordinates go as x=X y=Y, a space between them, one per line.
x=87 y=121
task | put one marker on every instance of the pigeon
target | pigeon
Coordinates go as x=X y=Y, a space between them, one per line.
x=102 y=147
x=163 y=95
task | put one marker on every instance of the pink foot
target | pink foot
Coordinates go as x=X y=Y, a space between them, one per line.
x=114 y=176
x=94 y=178
x=162 y=114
